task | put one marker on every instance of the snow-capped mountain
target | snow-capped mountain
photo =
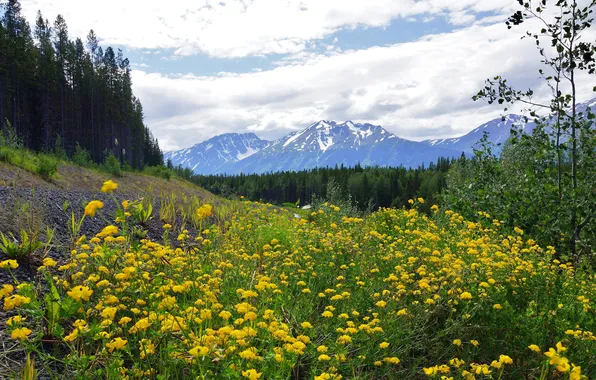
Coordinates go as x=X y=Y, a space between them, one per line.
x=327 y=143
x=210 y=155
x=498 y=131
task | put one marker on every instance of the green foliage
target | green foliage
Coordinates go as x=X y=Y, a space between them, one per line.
x=168 y=208
x=336 y=197
x=9 y=137
x=59 y=150
x=19 y=247
x=81 y=157
x=367 y=188
x=545 y=181
x=13 y=152
x=47 y=166
x=521 y=189
x=112 y=165
x=158 y=171
x=142 y=211
x=74 y=226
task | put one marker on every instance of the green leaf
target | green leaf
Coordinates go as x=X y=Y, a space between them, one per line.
x=69 y=307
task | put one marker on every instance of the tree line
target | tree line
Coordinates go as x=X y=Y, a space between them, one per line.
x=63 y=95
x=366 y=187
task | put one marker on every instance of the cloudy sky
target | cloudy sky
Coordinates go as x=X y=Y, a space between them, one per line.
x=204 y=67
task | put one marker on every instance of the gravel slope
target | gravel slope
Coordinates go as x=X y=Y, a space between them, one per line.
x=28 y=200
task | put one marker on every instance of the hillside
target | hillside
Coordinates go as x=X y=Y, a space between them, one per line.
x=43 y=209
x=28 y=199
x=71 y=177
x=269 y=294
x=29 y=202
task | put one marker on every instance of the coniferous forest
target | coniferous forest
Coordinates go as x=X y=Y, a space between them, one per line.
x=367 y=187
x=58 y=94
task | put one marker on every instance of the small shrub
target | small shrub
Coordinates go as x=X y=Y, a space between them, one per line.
x=112 y=165
x=158 y=171
x=59 y=151
x=81 y=157
x=127 y=167
x=9 y=137
x=47 y=166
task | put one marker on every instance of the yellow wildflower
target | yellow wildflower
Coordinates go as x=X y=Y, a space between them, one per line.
x=109 y=186
x=534 y=348
x=204 y=211
x=251 y=374
x=49 y=262
x=465 y=296
x=20 y=333
x=12 y=264
x=92 y=207
x=79 y=293
x=116 y=344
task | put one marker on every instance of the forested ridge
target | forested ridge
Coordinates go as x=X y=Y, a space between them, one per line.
x=367 y=187
x=58 y=93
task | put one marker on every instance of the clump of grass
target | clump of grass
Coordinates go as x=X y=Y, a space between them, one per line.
x=167 y=208
x=19 y=247
x=42 y=164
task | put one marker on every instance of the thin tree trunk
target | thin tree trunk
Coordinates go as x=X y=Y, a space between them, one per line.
x=574 y=225
x=92 y=116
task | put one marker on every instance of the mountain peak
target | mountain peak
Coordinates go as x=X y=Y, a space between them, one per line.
x=210 y=155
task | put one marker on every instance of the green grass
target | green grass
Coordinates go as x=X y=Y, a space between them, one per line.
x=43 y=164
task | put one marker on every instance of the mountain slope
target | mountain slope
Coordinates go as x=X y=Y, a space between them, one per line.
x=498 y=131
x=210 y=155
x=327 y=143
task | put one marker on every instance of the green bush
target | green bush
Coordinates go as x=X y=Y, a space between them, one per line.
x=59 y=151
x=47 y=166
x=158 y=171
x=82 y=157
x=112 y=165
x=9 y=137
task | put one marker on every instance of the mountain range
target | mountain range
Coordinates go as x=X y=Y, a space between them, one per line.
x=328 y=143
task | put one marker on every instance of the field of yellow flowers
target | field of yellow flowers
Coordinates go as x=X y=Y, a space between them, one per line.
x=265 y=294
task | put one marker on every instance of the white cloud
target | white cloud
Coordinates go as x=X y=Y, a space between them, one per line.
x=417 y=90
x=238 y=28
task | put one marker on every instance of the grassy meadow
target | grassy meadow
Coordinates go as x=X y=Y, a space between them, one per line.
x=264 y=293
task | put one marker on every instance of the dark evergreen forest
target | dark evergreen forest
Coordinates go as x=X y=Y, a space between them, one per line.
x=59 y=94
x=367 y=187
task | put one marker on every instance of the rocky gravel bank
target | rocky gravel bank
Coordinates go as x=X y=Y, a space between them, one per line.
x=51 y=208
